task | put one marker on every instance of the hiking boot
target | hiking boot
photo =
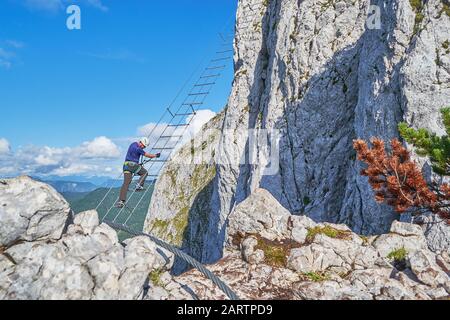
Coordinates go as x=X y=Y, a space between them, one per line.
x=139 y=188
x=120 y=204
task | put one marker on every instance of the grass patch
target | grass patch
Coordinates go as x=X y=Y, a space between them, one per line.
x=316 y=276
x=328 y=231
x=276 y=252
x=398 y=254
x=417 y=6
x=155 y=277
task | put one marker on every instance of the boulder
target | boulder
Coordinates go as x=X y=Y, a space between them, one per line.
x=30 y=210
x=402 y=235
x=424 y=266
x=259 y=214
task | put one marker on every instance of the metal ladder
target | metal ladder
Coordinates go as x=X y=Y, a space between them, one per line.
x=172 y=132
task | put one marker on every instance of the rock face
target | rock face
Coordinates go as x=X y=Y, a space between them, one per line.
x=322 y=73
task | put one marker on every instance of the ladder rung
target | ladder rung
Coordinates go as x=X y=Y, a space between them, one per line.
x=173 y=136
x=184 y=114
x=210 y=76
x=192 y=103
x=205 y=84
x=198 y=94
x=160 y=160
x=215 y=67
x=156 y=148
x=220 y=59
x=225 y=51
x=178 y=125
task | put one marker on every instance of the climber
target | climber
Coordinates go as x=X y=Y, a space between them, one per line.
x=132 y=166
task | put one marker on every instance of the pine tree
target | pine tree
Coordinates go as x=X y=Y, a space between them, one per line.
x=398 y=181
x=429 y=144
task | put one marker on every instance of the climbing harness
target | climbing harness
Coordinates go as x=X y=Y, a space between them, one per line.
x=131 y=167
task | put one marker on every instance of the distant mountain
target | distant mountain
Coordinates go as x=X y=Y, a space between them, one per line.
x=72 y=197
x=72 y=186
x=99 y=181
x=116 y=183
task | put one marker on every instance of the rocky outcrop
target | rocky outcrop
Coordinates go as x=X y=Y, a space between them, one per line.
x=283 y=256
x=269 y=254
x=44 y=260
x=322 y=73
x=30 y=211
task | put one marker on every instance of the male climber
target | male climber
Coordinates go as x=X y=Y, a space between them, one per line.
x=132 y=166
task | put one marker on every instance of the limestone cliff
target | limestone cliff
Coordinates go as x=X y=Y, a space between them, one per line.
x=319 y=73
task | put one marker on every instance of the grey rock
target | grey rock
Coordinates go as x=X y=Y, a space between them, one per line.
x=249 y=254
x=138 y=263
x=30 y=210
x=423 y=265
x=260 y=214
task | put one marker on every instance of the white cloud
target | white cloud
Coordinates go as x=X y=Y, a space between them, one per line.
x=6 y=58
x=100 y=147
x=94 y=157
x=98 y=157
x=44 y=5
x=8 y=55
x=198 y=120
x=15 y=44
x=152 y=130
x=5 y=148
x=97 y=4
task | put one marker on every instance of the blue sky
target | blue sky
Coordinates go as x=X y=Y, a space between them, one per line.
x=62 y=91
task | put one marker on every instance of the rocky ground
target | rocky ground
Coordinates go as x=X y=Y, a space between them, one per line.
x=270 y=254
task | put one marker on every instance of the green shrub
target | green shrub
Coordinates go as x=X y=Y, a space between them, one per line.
x=398 y=254
x=316 y=276
x=429 y=144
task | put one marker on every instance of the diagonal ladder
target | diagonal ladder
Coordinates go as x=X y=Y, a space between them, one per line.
x=174 y=129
